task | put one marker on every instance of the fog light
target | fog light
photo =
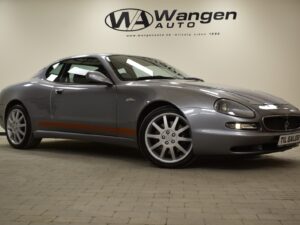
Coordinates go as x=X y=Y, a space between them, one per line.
x=242 y=126
x=237 y=126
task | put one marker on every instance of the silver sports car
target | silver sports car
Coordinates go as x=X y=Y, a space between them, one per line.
x=144 y=102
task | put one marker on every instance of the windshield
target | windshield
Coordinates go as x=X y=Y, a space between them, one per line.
x=142 y=68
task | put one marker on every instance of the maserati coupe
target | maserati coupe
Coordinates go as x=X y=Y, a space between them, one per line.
x=145 y=103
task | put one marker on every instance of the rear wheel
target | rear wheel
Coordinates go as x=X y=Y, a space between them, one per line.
x=18 y=128
x=166 y=138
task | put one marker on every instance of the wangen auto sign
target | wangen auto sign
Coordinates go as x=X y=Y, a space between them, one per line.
x=131 y=19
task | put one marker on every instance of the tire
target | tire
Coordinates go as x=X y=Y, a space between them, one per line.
x=18 y=128
x=166 y=146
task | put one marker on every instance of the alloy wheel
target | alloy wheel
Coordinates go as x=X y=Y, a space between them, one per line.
x=168 y=138
x=16 y=126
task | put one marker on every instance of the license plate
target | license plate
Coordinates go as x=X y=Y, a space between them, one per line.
x=289 y=139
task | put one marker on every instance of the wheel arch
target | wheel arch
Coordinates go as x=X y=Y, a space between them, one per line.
x=150 y=107
x=11 y=104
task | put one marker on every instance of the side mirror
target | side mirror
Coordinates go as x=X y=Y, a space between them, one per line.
x=98 y=77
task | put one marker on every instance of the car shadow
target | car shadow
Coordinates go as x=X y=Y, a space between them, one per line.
x=133 y=155
x=244 y=162
x=93 y=149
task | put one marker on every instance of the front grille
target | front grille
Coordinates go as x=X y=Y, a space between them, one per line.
x=282 y=123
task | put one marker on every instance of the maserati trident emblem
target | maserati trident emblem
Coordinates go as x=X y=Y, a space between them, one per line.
x=286 y=125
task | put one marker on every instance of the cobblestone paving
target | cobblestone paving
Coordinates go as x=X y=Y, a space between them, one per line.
x=72 y=182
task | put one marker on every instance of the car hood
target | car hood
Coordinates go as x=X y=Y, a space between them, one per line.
x=251 y=96
x=248 y=96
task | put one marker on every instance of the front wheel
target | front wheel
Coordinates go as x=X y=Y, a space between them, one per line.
x=18 y=128
x=166 y=139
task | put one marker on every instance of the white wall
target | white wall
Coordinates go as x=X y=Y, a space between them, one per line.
x=259 y=50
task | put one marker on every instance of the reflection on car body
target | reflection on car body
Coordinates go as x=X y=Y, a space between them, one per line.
x=146 y=103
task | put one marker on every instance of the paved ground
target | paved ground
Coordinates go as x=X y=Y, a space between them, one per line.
x=70 y=182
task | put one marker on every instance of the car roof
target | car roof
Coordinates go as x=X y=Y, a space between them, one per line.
x=83 y=55
x=94 y=55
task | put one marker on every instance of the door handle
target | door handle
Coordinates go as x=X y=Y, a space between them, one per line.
x=59 y=91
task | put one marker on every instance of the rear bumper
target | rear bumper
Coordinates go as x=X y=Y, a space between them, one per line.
x=211 y=136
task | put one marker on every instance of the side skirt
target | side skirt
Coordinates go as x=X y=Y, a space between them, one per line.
x=88 y=137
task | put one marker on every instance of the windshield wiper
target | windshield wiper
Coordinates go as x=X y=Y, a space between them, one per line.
x=154 y=77
x=193 y=78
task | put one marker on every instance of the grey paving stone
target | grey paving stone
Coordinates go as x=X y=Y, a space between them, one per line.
x=80 y=183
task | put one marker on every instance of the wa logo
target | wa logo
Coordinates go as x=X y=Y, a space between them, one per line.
x=129 y=19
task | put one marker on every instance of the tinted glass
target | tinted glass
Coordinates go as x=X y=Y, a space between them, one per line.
x=76 y=70
x=77 y=73
x=139 y=68
x=54 y=71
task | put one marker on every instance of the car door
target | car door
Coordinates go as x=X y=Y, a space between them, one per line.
x=78 y=106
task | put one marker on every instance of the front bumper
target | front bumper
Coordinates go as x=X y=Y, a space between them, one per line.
x=211 y=136
x=237 y=142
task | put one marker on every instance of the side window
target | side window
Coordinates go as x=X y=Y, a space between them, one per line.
x=53 y=72
x=77 y=69
x=77 y=73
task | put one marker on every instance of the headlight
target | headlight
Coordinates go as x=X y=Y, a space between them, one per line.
x=233 y=108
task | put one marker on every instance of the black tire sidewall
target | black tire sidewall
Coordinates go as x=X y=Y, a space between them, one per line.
x=142 y=145
x=28 y=133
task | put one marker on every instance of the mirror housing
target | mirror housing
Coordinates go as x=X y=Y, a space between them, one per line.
x=99 y=78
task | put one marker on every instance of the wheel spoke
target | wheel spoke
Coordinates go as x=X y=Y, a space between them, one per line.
x=183 y=129
x=17 y=114
x=14 y=136
x=154 y=136
x=155 y=146
x=157 y=127
x=13 y=115
x=175 y=123
x=18 y=137
x=184 y=139
x=163 y=151
x=10 y=120
x=20 y=118
x=180 y=148
x=166 y=126
x=21 y=132
x=172 y=153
